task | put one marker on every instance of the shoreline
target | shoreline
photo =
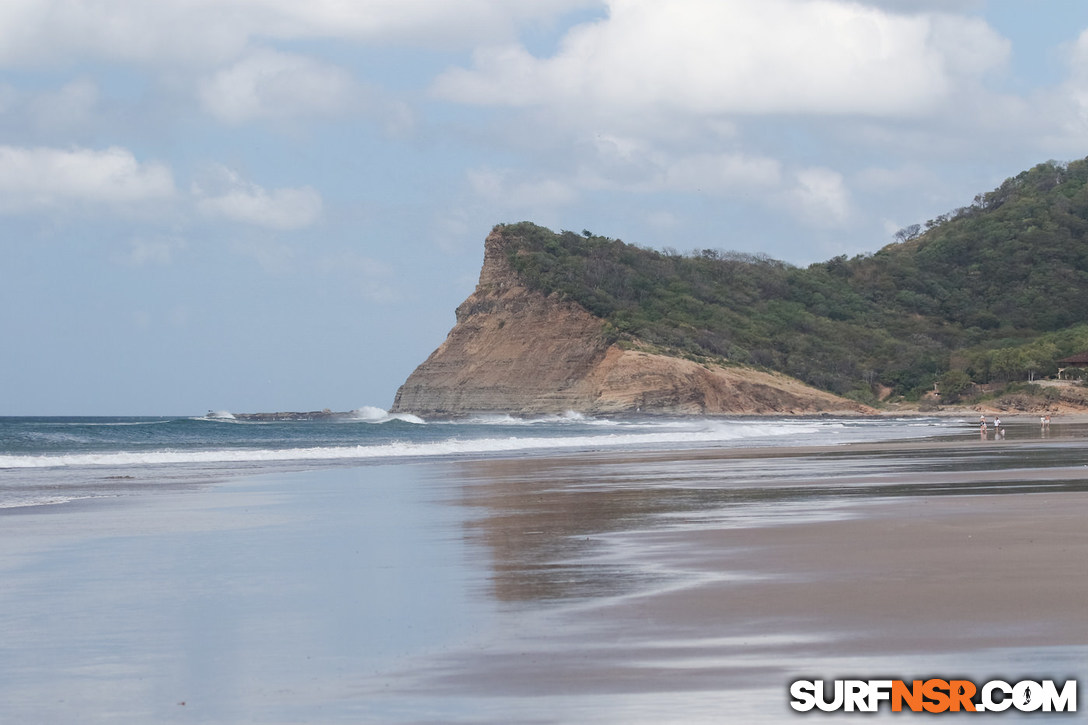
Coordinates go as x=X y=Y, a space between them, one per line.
x=608 y=586
x=113 y=483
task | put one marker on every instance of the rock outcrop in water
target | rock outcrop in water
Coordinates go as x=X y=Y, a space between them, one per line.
x=515 y=350
x=325 y=414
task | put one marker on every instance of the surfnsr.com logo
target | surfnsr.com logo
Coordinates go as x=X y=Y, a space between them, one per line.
x=933 y=695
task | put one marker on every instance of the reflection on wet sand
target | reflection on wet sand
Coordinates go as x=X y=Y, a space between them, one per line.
x=720 y=571
x=541 y=525
x=544 y=521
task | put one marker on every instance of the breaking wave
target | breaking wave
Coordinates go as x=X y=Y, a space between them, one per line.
x=373 y=414
x=454 y=446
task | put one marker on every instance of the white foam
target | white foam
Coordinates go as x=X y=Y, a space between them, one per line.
x=374 y=414
x=645 y=434
x=108 y=424
x=570 y=416
x=718 y=432
x=39 y=501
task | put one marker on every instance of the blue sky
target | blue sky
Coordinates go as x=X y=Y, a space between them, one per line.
x=257 y=205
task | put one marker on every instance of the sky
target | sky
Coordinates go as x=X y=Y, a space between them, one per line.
x=262 y=205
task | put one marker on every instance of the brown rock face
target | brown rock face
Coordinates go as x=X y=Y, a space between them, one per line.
x=515 y=350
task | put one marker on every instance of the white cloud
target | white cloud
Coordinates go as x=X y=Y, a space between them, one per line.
x=36 y=32
x=509 y=190
x=721 y=173
x=890 y=227
x=207 y=33
x=34 y=178
x=73 y=105
x=734 y=56
x=1055 y=119
x=967 y=46
x=820 y=198
x=407 y=20
x=631 y=164
x=270 y=84
x=1075 y=89
x=925 y=6
x=242 y=201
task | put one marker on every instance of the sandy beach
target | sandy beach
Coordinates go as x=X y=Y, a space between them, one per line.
x=647 y=597
x=959 y=577
x=607 y=587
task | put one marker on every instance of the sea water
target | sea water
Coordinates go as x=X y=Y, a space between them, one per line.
x=56 y=460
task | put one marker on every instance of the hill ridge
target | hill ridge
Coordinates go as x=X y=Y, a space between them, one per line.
x=988 y=294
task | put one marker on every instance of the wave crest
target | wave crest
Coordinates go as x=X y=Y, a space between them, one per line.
x=374 y=414
x=705 y=434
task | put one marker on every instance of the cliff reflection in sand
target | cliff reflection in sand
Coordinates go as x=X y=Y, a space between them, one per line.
x=553 y=527
x=544 y=520
x=547 y=522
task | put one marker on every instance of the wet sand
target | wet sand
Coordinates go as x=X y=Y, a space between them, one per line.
x=959 y=577
x=695 y=587
x=661 y=586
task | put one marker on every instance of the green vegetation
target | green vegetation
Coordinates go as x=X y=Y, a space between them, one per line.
x=993 y=292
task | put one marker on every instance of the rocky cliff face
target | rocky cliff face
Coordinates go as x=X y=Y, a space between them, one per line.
x=515 y=350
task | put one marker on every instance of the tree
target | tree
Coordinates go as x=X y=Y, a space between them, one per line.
x=953 y=384
x=1038 y=357
x=908 y=233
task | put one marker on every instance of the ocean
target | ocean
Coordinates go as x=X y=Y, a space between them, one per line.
x=56 y=460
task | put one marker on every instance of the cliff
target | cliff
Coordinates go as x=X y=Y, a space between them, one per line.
x=516 y=350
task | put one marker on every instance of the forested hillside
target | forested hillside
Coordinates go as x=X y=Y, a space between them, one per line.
x=995 y=291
